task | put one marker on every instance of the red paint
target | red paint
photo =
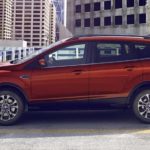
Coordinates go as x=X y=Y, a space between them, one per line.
x=95 y=81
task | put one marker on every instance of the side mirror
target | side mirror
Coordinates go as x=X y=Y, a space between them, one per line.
x=42 y=62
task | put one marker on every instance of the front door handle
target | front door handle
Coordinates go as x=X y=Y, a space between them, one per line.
x=77 y=72
x=24 y=76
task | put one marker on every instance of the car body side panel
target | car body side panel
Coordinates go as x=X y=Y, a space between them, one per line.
x=146 y=70
x=114 y=80
x=14 y=78
x=60 y=83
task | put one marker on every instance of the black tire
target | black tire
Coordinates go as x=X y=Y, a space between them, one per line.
x=11 y=107
x=141 y=106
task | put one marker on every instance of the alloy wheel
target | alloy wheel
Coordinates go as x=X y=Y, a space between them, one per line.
x=144 y=106
x=8 y=107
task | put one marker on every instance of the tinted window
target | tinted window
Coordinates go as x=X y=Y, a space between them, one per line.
x=97 y=22
x=108 y=52
x=118 y=20
x=118 y=3
x=142 y=18
x=70 y=55
x=87 y=22
x=97 y=6
x=78 y=23
x=87 y=7
x=107 y=21
x=143 y=50
x=130 y=3
x=107 y=5
x=142 y=2
x=130 y=19
x=78 y=8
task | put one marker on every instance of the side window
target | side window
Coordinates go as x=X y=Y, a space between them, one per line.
x=111 y=52
x=143 y=50
x=70 y=55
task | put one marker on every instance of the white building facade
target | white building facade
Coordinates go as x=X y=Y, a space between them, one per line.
x=52 y=23
x=108 y=17
x=31 y=22
x=5 y=19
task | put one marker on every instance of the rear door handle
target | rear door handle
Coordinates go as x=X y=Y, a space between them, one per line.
x=77 y=72
x=129 y=68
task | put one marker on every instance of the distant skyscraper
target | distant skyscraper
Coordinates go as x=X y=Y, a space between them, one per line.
x=52 y=23
x=5 y=19
x=61 y=10
x=31 y=22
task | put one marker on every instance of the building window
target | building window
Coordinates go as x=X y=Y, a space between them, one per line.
x=118 y=20
x=107 y=5
x=130 y=19
x=97 y=22
x=142 y=18
x=130 y=3
x=87 y=22
x=107 y=21
x=87 y=7
x=97 y=6
x=78 y=23
x=142 y=2
x=78 y=8
x=118 y=4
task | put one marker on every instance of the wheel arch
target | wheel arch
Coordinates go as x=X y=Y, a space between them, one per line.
x=140 y=87
x=16 y=89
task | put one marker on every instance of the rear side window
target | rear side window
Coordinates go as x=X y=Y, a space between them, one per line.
x=112 y=52
x=143 y=50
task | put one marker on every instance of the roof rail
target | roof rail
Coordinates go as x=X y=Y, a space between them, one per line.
x=91 y=35
x=147 y=37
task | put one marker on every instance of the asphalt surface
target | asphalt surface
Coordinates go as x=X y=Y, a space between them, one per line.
x=88 y=130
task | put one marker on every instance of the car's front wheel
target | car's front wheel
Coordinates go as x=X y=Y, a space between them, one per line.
x=11 y=107
x=141 y=106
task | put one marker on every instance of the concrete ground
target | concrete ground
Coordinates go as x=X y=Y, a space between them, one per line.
x=99 y=130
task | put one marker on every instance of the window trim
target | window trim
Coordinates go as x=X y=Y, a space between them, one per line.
x=86 y=54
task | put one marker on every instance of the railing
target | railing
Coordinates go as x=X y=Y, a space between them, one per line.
x=14 y=53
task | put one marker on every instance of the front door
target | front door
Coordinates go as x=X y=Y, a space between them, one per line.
x=65 y=77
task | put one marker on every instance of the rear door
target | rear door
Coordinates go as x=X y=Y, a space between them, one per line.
x=115 y=67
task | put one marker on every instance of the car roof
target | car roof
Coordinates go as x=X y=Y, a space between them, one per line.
x=133 y=38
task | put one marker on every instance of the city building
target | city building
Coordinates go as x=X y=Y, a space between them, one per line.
x=61 y=9
x=12 y=43
x=61 y=19
x=108 y=17
x=52 y=23
x=14 y=49
x=5 y=19
x=31 y=22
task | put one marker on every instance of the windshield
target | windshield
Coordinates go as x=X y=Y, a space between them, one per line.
x=17 y=61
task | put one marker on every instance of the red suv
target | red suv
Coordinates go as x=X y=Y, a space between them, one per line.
x=81 y=72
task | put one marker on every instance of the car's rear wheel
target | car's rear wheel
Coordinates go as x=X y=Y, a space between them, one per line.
x=141 y=106
x=11 y=107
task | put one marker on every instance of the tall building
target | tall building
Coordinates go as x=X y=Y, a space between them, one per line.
x=52 y=23
x=31 y=22
x=5 y=19
x=108 y=17
x=61 y=10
